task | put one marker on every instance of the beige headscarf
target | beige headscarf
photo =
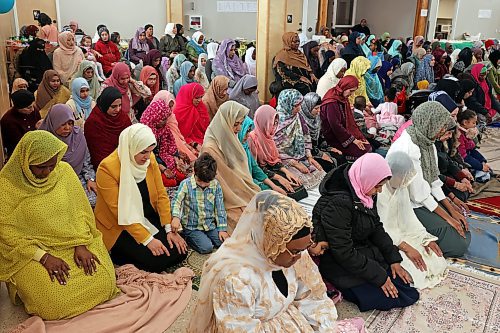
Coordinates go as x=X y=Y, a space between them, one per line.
x=67 y=58
x=265 y=228
x=291 y=57
x=132 y=141
x=215 y=96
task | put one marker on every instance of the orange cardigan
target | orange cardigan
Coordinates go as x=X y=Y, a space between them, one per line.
x=106 y=208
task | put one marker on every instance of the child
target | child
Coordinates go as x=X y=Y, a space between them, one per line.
x=388 y=111
x=359 y=117
x=199 y=206
x=92 y=55
x=275 y=88
x=467 y=120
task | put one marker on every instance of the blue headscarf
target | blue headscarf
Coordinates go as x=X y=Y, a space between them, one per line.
x=425 y=71
x=83 y=106
x=382 y=74
x=393 y=51
x=374 y=88
x=194 y=43
x=366 y=45
x=184 y=79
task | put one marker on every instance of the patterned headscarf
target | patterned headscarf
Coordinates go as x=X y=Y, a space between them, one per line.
x=425 y=71
x=429 y=119
x=313 y=122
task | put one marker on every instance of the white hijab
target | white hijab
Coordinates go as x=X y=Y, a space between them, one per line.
x=169 y=29
x=251 y=63
x=330 y=79
x=132 y=141
x=212 y=50
x=196 y=37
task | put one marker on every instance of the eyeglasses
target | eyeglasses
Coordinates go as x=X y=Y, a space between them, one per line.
x=296 y=253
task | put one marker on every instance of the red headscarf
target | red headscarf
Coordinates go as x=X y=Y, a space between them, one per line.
x=260 y=140
x=146 y=72
x=193 y=120
x=476 y=70
x=112 y=81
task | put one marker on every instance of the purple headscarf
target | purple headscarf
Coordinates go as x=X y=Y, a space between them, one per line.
x=58 y=115
x=137 y=44
x=232 y=68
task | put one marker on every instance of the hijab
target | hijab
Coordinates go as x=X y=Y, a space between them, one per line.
x=69 y=56
x=178 y=61
x=223 y=65
x=212 y=50
x=359 y=67
x=184 y=76
x=45 y=93
x=311 y=59
x=383 y=74
x=475 y=72
x=238 y=95
x=34 y=56
x=137 y=44
x=17 y=83
x=425 y=71
x=330 y=79
x=352 y=48
x=428 y=119
x=465 y=56
x=451 y=86
x=261 y=139
x=291 y=57
x=195 y=44
x=250 y=62
x=119 y=70
x=169 y=30
x=193 y=120
x=146 y=73
x=374 y=87
x=83 y=106
x=366 y=173
x=58 y=115
x=309 y=102
x=393 y=51
x=216 y=94
x=366 y=45
x=94 y=85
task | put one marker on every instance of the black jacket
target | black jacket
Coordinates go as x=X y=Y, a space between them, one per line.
x=476 y=101
x=360 y=251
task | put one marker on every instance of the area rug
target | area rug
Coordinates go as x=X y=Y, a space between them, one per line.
x=484 y=247
x=463 y=302
x=489 y=206
x=194 y=261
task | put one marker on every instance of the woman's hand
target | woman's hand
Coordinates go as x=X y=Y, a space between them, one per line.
x=461 y=205
x=178 y=241
x=359 y=144
x=432 y=246
x=415 y=257
x=157 y=248
x=389 y=289
x=468 y=174
x=294 y=180
x=326 y=157
x=91 y=186
x=278 y=189
x=397 y=270
x=86 y=259
x=283 y=181
x=336 y=151
x=468 y=185
x=301 y=167
x=57 y=268
x=460 y=186
x=456 y=225
x=315 y=164
x=223 y=235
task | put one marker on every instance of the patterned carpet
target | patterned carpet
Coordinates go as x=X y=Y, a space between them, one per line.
x=489 y=206
x=194 y=261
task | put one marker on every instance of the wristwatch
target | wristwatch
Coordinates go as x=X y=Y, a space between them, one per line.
x=91 y=180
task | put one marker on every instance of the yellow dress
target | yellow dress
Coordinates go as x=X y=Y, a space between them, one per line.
x=48 y=215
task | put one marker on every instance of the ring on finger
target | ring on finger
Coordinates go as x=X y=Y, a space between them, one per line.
x=55 y=272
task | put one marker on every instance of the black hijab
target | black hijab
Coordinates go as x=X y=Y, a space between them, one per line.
x=451 y=87
x=465 y=56
x=313 y=61
x=33 y=62
x=352 y=48
x=179 y=27
x=107 y=97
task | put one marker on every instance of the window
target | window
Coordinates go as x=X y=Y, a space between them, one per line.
x=344 y=12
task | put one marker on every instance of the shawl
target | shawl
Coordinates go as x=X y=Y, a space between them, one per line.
x=290 y=57
x=83 y=106
x=59 y=115
x=408 y=69
x=94 y=84
x=193 y=119
x=67 y=58
x=425 y=71
x=250 y=62
x=393 y=51
x=261 y=139
x=330 y=79
x=119 y=70
x=366 y=173
x=150 y=57
x=440 y=69
x=428 y=119
x=45 y=93
x=359 y=67
x=238 y=95
x=132 y=141
x=146 y=73
x=194 y=42
x=233 y=67
x=49 y=204
x=200 y=74
x=137 y=44
x=475 y=72
x=212 y=50
x=374 y=88
x=16 y=85
x=292 y=138
x=184 y=79
x=313 y=121
x=366 y=45
x=312 y=60
x=352 y=48
x=465 y=56
x=269 y=222
x=172 y=123
x=216 y=94
x=156 y=113
x=383 y=74
x=169 y=29
x=101 y=129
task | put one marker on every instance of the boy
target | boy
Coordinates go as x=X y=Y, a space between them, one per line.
x=199 y=206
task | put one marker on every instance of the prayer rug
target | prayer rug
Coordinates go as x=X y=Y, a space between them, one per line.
x=484 y=247
x=195 y=262
x=464 y=302
x=489 y=206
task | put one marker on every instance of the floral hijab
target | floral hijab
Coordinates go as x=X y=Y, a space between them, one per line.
x=313 y=122
x=425 y=71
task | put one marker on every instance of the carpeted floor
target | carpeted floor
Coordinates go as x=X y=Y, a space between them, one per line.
x=489 y=206
x=484 y=248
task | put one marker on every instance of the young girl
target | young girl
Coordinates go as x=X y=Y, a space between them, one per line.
x=200 y=75
x=387 y=112
x=467 y=120
x=92 y=55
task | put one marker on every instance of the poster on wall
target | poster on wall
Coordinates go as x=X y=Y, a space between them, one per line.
x=237 y=6
x=484 y=13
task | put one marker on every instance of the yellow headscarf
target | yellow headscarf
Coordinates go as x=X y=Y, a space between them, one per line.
x=50 y=213
x=359 y=67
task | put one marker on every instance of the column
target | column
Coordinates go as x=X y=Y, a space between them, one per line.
x=421 y=20
x=323 y=14
x=175 y=11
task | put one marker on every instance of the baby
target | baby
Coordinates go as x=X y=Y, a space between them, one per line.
x=389 y=110
x=92 y=55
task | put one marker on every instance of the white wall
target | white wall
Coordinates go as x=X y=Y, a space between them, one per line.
x=446 y=9
x=124 y=16
x=394 y=16
x=467 y=19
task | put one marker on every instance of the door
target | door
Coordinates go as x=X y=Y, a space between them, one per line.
x=344 y=13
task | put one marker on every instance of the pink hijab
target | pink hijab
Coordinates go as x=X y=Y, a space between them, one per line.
x=260 y=140
x=366 y=173
x=112 y=81
x=476 y=71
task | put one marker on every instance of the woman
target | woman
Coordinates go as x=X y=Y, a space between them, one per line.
x=483 y=101
x=426 y=69
x=439 y=216
x=138 y=46
x=172 y=164
x=153 y=42
x=250 y=61
x=200 y=74
x=337 y=121
x=150 y=78
x=47 y=230
x=50 y=92
x=172 y=45
x=403 y=78
x=19 y=84
x=104 y=125
x=132 y=209
x=369 y=45
x=48 y=30
x=291 y=67
x=359 y=67
x=465 y=56
x=311 y=51
x=353 y=48
x=440 y=68
x=417 y=57
x=60 y=121
x=33 y=62
x=110 y=55
x=494 y=74
x=395 y=50
x=374 y=88
x=180 y=32
x=173 y=73
x=196 y=46
x=245 y=92
x=192 y=114
x=384 y=74
x=265 y=263
x=154 y=59
x=332 y=76
x=216 y=94
x=362 y=261
x=211 y=53
x=67 y=57
x=222 y=143
x=422 y=257
x=227 y=63
x=187 y=72
x=293 y=140
x=81 y=103
x=87 y=71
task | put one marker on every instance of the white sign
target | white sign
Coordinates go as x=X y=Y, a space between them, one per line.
x=484 y=13
x=237 y=6
x=424 y=12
